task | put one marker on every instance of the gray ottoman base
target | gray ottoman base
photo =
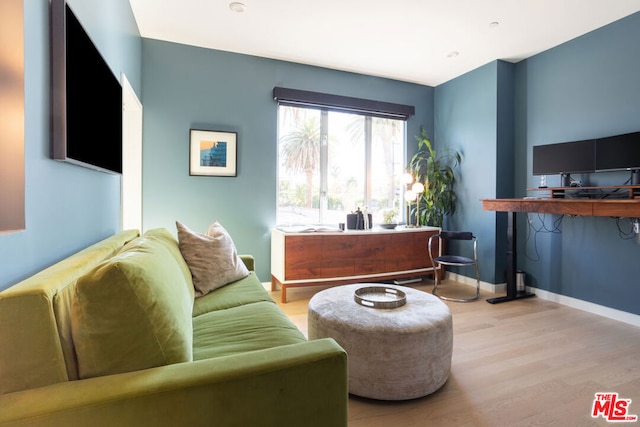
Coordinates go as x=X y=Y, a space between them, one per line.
x=394 y=354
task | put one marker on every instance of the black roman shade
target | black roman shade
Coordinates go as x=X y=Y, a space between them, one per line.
x=303 y=98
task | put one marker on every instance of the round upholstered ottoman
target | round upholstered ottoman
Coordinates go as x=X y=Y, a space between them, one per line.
x=394 y=353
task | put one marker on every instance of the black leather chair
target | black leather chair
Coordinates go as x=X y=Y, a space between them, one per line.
x=455 y=260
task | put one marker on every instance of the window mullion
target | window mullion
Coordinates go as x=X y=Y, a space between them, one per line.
x=368 y=156
x=324 y=165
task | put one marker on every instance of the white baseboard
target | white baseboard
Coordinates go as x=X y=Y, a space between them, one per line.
x=485 y=286
x=600 y=310
x=589 y=307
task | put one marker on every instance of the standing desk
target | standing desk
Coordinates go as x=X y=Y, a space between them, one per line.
x=629 y=207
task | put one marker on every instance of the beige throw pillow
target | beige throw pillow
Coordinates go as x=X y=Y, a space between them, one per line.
x=212 y=257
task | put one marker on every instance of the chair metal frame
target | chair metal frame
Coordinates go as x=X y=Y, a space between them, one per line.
x=454 y=261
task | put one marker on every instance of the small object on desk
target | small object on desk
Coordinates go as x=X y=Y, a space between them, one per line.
x=543 y=181
x=356 y=220
x=388 y=226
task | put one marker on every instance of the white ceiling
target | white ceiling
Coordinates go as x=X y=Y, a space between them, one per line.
x=408 y=40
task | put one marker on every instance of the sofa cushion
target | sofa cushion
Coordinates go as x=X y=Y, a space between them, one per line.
x=211 y=257
x=163 y=237
x=244 y=291
x=132 y=312
x=240 y=329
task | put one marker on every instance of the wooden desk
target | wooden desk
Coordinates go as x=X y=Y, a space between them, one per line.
x=629 y=208
x=331 y=258
x=580 y=207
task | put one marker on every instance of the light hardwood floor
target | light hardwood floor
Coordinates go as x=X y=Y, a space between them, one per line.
x=522 y=363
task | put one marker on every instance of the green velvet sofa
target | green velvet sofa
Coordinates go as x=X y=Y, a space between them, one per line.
x=113 y=335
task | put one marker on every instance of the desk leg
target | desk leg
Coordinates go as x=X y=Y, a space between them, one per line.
x=512 y=259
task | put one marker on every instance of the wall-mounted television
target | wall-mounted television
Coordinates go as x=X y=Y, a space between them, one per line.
x=86 y=97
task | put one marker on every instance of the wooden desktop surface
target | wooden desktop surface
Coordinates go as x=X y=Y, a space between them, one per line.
x=629 y=208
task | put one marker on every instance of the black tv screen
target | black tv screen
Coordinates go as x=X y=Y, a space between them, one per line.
x=620 y=152
x=86 y=116
x=566 y=157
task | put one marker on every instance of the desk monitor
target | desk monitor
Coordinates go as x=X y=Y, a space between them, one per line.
x=565 y=158
x=620 y=152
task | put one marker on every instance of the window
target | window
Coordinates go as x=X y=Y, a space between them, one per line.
x=332 y=162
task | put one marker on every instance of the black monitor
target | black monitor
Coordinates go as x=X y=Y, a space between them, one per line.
x=620 y=152
x=565 y=158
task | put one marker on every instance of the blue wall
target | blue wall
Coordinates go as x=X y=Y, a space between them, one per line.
x=187 y=87
x=67 y=207
x=466 y=118
x=586 y=88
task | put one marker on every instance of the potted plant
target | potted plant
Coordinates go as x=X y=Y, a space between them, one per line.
x=389 y=219
x=435 y=171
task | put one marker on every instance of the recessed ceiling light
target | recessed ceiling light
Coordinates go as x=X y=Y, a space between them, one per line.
x=494 y=24
x=453 y=54
x=236 y=6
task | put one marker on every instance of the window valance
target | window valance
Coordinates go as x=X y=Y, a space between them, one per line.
x=303 y=98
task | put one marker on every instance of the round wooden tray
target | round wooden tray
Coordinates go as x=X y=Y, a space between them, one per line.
x=380 y=297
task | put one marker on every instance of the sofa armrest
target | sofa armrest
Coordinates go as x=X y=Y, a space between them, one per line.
x=249 y=261
x=290 y=385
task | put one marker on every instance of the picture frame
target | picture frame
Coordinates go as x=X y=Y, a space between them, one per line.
x=213 y=153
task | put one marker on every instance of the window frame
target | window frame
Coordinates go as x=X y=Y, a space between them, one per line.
x=323 y=188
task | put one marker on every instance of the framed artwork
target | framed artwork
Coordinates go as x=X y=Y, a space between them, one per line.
x=212 y=153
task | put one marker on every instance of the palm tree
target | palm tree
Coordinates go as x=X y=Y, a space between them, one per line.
x=385 y=131
x=301 y=151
